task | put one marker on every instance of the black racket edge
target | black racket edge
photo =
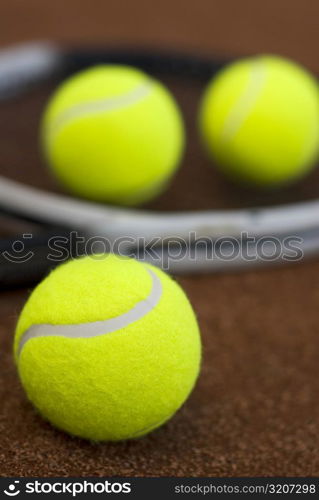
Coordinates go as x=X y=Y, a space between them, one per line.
x=175 y=64
x=27 y=258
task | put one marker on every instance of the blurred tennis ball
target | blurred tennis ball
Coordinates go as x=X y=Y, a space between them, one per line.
x=259 y=119
x=111 y=133
x=107 y=348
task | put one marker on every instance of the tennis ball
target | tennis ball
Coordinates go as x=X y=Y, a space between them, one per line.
x=259 y=119
x=107 y=348
x=111 y=133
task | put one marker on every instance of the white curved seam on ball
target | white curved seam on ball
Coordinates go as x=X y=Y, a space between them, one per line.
x=240 y=112
x=100 y=106
x=97 y=328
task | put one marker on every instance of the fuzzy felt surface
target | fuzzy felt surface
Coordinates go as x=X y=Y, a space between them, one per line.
x=111 y=133
x=260 y=120
x=114 y=386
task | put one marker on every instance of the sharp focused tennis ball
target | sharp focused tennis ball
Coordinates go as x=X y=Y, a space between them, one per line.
x=260 y=120
x=111 y=133
x=107 y=348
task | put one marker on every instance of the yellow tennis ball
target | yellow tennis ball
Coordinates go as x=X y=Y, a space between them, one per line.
x=111 y=133
x=107 y=348
x=259 y=119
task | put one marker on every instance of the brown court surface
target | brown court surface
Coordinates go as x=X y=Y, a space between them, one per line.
x=255 y=409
